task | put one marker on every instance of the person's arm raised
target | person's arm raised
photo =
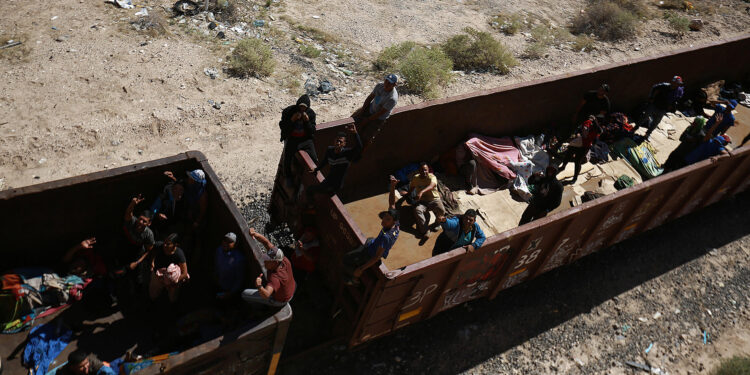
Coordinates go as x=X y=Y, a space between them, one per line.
x=260 y=238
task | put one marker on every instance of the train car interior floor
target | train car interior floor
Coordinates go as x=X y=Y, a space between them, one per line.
x=500 y=211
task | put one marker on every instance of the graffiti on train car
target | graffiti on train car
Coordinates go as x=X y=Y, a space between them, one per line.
x=635 y=220
x=482 y=268
x=561 y=253
x=471 y=291
x=417 y=297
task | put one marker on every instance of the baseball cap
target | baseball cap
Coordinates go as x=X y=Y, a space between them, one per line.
x=677 y=79
x=392 y=78
x=727 y=138
x=231 y=237
x=273 y=254
x=392 y=212
x=197 y=175
x=732 y=103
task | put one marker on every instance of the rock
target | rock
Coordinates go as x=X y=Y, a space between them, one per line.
x=696 y=24
x=61 y=38
x=115 y=142
x=140 y=152
x=325 y=86
x=657 y=315
x=211 y=72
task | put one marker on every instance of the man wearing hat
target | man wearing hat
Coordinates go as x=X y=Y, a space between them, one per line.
x=277 y=287
x=369 y=254
x=297 y=129
x=230 y=268
x=376 y=109
x=662 y=99
x=722 y=119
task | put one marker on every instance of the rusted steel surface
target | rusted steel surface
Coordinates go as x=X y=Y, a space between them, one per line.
x=59 y=213
x=527 y=107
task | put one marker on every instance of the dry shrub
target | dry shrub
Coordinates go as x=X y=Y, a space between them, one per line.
x=252 y=57
x=309 y=51
x=424 y=69
x=225 y=10
x=583 y=43
x=319 y=35
x=507 y=23
x=734 y=366
x=679 y=23
x=478 y=50
x=607 y=20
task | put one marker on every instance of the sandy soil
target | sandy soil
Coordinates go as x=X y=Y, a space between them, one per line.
x=85 y=91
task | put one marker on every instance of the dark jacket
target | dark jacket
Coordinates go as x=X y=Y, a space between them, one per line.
x=287 y=126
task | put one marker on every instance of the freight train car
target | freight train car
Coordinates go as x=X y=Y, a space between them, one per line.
x=412 y=285
x=40 y=222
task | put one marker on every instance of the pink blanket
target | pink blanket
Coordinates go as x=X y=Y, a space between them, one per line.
x=495 y=154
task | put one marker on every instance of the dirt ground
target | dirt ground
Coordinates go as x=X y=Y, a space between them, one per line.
x=86 y=91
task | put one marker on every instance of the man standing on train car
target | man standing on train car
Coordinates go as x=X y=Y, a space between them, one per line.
x=376 y=109
x=594 y=103
x=277 y=288
x=424 y=196
x=297 y=131
x=662 y=99
x=459 y=231
x=369 y=254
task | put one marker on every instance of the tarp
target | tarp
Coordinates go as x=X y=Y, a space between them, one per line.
x=494 y=157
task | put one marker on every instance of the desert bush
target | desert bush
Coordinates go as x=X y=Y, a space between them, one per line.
x=309 y=51
x=423 y=69
x=607 y=20
x=583 y=43
x=252 y=57
x=478 y=50
x=225 y=10
x=734 y=366
x=638 y=7
x=507 y=23
x=679 y=23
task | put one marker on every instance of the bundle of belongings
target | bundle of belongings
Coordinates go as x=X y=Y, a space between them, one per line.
x=28 y=294
x=639 y=155
x=507 y=162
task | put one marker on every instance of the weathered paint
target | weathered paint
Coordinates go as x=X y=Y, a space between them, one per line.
x=67 y=210
x=419 y=291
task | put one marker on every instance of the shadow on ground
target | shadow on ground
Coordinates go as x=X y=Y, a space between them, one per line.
x=465 y=336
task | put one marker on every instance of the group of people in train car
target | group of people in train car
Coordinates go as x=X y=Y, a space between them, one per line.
x=593 y=120
x=149 y=258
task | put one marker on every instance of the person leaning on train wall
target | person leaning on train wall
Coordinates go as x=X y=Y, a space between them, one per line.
x=277 y=288
x=424 y=196
x=297 y=132
x=83 y=363
x=374 y=249
x=376 y=109
x=662 y=99
x=459 y=231
x=546 y=195
x=339 y=157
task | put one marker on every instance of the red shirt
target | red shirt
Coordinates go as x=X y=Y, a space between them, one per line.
x=282 y=281
x=589 y=133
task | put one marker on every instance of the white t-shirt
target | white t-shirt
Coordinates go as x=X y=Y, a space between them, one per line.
x=383 y=99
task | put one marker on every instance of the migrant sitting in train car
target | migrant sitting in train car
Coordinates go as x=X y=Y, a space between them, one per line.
x=279 y=288
x=691 y=138
x=168 y=269
x=546 y=195
x=230 y=267
x=459 y=231
x=374 y=249
x=594 y=103
x=423 y=195
x=377 y=107
x=297 y=132
x=581 y=144
x=83 y=363
x=710 y=148
x=339 y=157
x=722 y=119
x=662 y=99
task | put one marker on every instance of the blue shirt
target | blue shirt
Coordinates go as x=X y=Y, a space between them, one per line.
x=452 y=229
x=726 y=122
x=705 y=150
x=385 y=239
x=230 y=268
